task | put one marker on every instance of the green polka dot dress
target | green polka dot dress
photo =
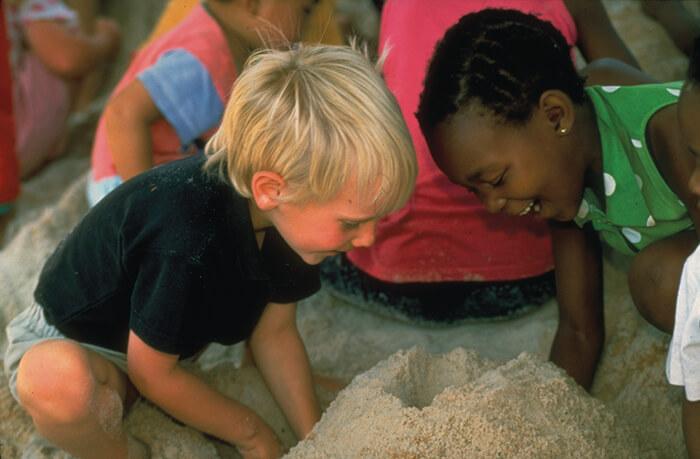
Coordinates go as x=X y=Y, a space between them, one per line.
x=638 y=207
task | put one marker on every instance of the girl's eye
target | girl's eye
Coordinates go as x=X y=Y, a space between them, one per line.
x=498 y=181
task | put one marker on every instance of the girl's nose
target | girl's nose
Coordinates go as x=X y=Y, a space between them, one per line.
x=494 y=204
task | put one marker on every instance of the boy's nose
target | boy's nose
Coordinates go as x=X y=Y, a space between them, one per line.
x=365 y=235
x=494 y=204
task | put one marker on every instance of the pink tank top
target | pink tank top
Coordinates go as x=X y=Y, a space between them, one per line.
x=199 y=34
x=444 y=233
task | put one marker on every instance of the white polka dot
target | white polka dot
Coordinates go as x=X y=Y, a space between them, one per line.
x=609 y=183
x=651 y=221
x=610 y=88
x=583 y=209
x=631 y=235
x=674 y=91
x=639 y=181
x=636 y=143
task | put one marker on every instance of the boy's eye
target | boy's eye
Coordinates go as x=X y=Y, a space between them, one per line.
x=349 y=225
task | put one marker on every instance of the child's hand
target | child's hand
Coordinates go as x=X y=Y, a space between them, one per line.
x=262 y=443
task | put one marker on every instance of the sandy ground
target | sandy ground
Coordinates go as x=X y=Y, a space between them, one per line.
x=480 y=390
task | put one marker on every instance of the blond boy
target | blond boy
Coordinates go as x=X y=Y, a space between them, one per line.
x=312 y=150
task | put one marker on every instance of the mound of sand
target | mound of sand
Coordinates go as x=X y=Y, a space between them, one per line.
x=416 y=405
x=438 y=402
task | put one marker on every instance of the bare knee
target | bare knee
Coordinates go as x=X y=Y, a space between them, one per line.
x=55 y=383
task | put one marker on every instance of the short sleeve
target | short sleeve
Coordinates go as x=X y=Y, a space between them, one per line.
x=165 y=286
x=183 y=90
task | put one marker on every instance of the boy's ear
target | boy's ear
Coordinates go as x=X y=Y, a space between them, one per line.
x=266 y=188
x=558 y=110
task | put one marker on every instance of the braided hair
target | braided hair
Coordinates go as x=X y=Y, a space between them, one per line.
x=505 y=60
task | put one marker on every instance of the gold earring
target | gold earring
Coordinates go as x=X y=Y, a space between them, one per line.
x=563 y=131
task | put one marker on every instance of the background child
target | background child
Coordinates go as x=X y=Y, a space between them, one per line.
x=681 y=24
x=311 y=151
x=172 y=95
x=606 y=162
x=443 y=258
x=50 y=55
x=683 y=364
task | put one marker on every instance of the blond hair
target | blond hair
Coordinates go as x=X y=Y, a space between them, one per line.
x=317 y=115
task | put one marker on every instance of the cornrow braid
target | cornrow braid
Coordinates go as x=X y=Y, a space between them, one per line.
x=694 y=62
x=504 y=59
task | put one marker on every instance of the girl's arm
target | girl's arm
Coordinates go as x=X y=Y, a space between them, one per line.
x=597 y=37
x=128 y=118
x=72 y=53
x=280 y=355
x=160 y=378
x=580 y=334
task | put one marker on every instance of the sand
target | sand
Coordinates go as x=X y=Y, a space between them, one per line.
x=478 y=390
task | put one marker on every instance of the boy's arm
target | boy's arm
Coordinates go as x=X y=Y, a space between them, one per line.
x=128 y=118
x=160 y=378
x=597 y=38
x=68 y=53
x=580 y=334
x=281 y=357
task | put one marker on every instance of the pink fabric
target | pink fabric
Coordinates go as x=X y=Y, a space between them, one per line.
x=41 y=98
x=199 y=34
x=444 y=233
x=42 y=105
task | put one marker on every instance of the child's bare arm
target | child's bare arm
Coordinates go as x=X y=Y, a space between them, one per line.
x=581 y=332
x=691 y=428
x=160 y=378
x=72 y=53
x=281 y=357
x=128 y=118
x=597 y=38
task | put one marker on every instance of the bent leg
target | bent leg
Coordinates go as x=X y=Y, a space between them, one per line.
x=655 y=275
x=76 y=399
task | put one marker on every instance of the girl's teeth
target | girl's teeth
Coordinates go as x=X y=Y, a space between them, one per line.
x=527 y=209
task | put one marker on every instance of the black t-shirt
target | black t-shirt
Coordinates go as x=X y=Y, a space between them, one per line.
x=171 y=255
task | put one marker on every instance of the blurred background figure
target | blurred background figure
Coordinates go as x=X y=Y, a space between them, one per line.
x=681 y=25
x=50 y=55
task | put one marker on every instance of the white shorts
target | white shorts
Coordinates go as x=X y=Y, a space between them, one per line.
x=29 y=328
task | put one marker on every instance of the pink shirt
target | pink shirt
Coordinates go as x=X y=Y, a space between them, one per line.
x=199 y=35
x=444 y=233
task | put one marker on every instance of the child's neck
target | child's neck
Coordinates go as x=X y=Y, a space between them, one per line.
x=228 y=15
x=586 y=138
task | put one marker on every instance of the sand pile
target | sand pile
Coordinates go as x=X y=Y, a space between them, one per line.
x=491 y=400
x=415 y=405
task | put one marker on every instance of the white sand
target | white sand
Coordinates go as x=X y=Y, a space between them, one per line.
x=489 y=401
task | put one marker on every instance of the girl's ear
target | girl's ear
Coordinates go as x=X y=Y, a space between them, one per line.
x=266 y=188
x=558 y=110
